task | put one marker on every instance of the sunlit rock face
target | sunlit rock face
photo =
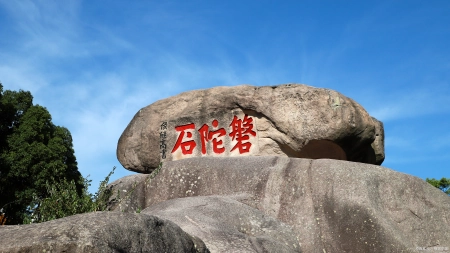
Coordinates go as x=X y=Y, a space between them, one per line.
x=328 y=205
x=290 y=120
x=239 y=229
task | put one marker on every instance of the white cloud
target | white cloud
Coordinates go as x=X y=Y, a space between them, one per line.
x=93 y=76
x=46 y=27
x=409 y=103
x=15 y=76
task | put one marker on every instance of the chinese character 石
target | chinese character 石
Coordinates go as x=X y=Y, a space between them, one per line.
x=241 y=131
x=187 y=147
x=206 y=136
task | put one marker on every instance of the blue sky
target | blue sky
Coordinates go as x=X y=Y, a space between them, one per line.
x=94 y=65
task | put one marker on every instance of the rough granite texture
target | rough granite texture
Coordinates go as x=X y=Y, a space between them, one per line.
x=227 y=225
x=286 y=119
x=331 y=205
x=99 y=232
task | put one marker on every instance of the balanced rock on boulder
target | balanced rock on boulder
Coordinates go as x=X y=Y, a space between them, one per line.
x=290 y=120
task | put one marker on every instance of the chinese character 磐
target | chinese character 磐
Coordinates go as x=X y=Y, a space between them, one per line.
x=187 y=147
x=241 y=131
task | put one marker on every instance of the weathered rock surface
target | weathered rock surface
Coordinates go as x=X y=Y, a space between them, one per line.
x=100 y=232
x=226 y=225
x=331 y=205
x=290 y=120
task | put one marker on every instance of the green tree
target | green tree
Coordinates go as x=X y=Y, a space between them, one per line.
x=443 y=184
x=64 y=200
x=34 y=155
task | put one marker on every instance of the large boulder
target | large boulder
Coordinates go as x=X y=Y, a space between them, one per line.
x=331 y=205
x=290 y=120
x=100 y=232
x=227 y=225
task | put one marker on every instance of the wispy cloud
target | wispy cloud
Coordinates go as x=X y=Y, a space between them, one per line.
x=94 y=72
x=46 y=27
x=411 y=103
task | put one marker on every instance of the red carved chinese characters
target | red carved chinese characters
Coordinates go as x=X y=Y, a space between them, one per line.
x=206 y=136
x=218 y=133
x=241 y=131
x=187 y=147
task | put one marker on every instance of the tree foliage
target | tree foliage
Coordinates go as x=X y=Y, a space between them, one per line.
x=443 y=184
x=35 y=154
x=64 y=200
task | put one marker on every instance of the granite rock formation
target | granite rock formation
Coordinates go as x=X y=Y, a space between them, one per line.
x=330 y=205
x=226 y=225
x=290 y=120
x=100 y=232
